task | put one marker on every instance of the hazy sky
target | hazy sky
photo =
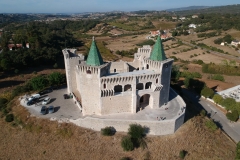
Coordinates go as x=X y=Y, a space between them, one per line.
x=77 y=6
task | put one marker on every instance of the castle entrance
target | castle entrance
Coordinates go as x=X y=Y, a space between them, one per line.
x=143 y=102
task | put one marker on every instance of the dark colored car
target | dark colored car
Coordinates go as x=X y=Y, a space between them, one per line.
x=43 y=110
x=31 y=102
x=50 y=109
x=45 y=91
x=66 y=96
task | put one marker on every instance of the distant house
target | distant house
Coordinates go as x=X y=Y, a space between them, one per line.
x=174 y=17
x=14 y=47
x=235 y=43
x=154 y=33
x=182 y=18
x=195 y=16
x=192 y=26
x=222 y=44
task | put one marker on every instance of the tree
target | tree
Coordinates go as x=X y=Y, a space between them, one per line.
x=186 y=82
x=182 y=154
x=217 y=98
x=238 y=151
x=233 y=116
x=207 y=92
x=5 y=64
x=38 y=82
x=9 y=118
x=56 y=78
x=229 y=103
x=136 y=131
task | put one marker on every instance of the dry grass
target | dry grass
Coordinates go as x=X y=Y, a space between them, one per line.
x=164 y=25
x=36 y=138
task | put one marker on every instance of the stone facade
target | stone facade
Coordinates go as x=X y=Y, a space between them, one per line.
x=118 y=87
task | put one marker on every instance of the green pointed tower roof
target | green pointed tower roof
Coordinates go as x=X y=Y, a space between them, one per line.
x=94 y=56
x=158 y=52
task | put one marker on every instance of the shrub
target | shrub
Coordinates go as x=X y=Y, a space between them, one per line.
x=211 y=125
x=127 y=143
x=136 y=131
x=217 y=98
x=182 y=154
x=238 y=151
x=107 y=131
x=233 y=116
x=3 y=102
x=207 y=92
x=203 y=113
x=218 y=77
x=55 y=65
x=9 y=118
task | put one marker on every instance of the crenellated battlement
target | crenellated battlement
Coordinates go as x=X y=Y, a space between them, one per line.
x=128 y=79
x=107 y=92
x=83 y=68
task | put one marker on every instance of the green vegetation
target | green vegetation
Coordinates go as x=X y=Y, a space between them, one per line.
x=9 y=118
x=211 y=125
x=233 y=116
x=237 y=151
x=217 y=98
x=136 y=133
x=229 y=104
x=221 y=69
x=207 y=92
x=190 y=74
x=182 y=154
x=208 y=35
x=147 y=42
x=127 y=143
x=217 y=77
x=228 y=38
x=107 y=131
x=129 y=53
x=203 y=113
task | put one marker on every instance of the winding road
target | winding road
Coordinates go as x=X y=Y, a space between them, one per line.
x=231 y=128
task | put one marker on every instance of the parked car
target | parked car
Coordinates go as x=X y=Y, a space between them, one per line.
x=66 y=96
x=45 y=91
x=31 y=102
x=46 y=100
x=34 y=96
x=50 y=109
x=43 y=110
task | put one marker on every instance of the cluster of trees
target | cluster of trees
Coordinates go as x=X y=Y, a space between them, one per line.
x=127 y=53
x=134 y=139
x=202 y=45
x=147 y=42
x=218 y=77
x=228 y=38
x=186 y=74
x=238 y=151
x=46 y=42
x=230 y=105
x=208 y=35
x=40 y=82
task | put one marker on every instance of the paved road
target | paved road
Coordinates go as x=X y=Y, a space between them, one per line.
x=231 y=128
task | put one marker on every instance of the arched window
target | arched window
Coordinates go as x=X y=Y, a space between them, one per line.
x=137 y=69
x=147 y=66
x=157 y=80
x=139 y=86
x=148 y=85
x=89 y=72
x=127 y=87
x=117 y=88
x=114 y=70
x=104 y=86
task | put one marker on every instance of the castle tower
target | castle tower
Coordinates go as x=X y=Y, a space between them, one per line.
x=158 y=56
x=89 y=81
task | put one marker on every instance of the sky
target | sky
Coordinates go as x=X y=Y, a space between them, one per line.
x=79 y=6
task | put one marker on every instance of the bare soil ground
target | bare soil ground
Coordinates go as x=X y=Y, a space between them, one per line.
x=35 y=138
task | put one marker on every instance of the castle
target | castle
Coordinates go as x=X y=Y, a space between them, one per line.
x=104 y=88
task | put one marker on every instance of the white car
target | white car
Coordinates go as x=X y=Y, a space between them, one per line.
x=46 y=100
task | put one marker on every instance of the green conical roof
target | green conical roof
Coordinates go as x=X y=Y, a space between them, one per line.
x=158 y=52
x=94 y=56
